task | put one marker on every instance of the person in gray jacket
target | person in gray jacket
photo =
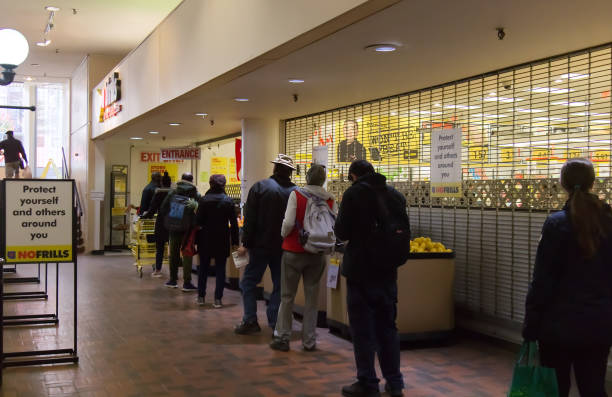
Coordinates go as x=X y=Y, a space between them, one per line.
x=297 y=263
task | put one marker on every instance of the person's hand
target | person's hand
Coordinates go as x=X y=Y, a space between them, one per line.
x=242 y=251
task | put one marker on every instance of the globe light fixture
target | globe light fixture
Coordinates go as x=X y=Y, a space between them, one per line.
x=13 y=51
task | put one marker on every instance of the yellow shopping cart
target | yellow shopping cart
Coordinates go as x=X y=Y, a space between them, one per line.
x=142 y=244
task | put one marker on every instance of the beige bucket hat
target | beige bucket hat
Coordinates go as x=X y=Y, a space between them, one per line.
x=284 y=160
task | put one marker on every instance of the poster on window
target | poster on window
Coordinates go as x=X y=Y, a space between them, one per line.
x=446 y=162
x=170 y=168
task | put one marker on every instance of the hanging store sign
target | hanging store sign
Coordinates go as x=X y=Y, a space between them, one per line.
x=187 y=153
x=111 y=95
x=39 y=216
x=446 y=162
x=154 y=157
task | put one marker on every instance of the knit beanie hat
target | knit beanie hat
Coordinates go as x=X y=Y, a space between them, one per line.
x=315 y=175
x=217 y=180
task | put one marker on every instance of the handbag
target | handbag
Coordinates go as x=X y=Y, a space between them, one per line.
x=530 y=379
x=188 y=246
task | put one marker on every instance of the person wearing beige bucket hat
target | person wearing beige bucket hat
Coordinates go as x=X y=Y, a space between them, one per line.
x=263 y=217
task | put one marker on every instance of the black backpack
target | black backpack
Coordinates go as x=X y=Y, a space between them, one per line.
x=180 y=217
x=389 y=240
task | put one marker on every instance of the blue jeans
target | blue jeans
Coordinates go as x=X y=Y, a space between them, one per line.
x=372 y=310
x=259 y=259
x=219 y=275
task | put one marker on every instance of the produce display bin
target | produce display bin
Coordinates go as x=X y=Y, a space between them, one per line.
x=425 y=308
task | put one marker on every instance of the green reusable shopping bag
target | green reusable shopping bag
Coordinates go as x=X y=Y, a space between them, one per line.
x=530 y=379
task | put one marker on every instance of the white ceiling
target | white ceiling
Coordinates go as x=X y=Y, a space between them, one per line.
x=441 y=41
x=104 y=27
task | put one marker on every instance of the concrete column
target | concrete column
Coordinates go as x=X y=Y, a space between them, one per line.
x=260 y=143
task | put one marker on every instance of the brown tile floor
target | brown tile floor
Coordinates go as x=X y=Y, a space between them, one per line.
x=138 y=338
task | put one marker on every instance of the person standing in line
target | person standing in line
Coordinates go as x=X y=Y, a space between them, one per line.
x=264 y=212
x=13 y=150
x=161 y=233
x=371 y=285
x=215 y=212
x=569 y=304
x=297 y=263
x=178 y=211
x=148 y=192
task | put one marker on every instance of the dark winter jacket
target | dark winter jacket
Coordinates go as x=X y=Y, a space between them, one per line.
x=158 y=198
x=355 y=223
x=264 y=213
x=147 y=196
x=183 y=188
x=570 y=298
x=215 y=212
x=12 y=149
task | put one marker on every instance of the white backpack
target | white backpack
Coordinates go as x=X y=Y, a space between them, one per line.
x=317 y=235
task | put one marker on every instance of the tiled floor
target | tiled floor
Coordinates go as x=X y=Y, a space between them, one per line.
x=138 y=338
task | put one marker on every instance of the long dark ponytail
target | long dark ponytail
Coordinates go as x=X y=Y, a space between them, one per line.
x=590 y=216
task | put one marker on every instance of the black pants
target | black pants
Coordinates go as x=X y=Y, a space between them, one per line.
x=372 y=311
x=590 y=365
x=219 y=275
x=160 y=245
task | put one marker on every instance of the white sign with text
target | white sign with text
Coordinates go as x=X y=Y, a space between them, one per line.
x=446 y=169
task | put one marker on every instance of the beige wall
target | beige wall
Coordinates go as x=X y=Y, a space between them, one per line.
x=203 y=39
x=260 y=142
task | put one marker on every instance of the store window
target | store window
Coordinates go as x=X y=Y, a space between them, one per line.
x=518 y=126
x=50 y=122
x=15 y=94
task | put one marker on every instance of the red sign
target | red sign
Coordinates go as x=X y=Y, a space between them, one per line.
x=188 y=153
x=154 y=157
x=238 y=154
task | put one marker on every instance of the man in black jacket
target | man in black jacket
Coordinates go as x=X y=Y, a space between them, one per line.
x=12 y=150
x=371 y=286
x=148 y=192
x=264 y=213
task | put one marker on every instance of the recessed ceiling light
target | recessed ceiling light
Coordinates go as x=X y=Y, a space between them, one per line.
x=29 y=78
x=296 y=81
x=382 y=47
x=136 y=138
x=241 y=99
x=153 y=132
x=174 y=124
x=52 y=8
x=201 y=114
x=43 y=43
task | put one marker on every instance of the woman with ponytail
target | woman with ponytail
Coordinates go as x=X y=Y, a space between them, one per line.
x=569 y=303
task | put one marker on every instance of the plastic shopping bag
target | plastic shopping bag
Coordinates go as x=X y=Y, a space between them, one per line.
x=27 y=172
x=240 y=260
x=530 y=379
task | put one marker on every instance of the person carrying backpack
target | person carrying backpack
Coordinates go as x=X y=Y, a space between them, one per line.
x=178 y=211
x=373 y=219
x=215 y=212
x=308 y=236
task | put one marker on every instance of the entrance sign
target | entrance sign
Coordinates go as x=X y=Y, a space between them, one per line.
x=39 y=221
x=186 y=153
x=446 y=162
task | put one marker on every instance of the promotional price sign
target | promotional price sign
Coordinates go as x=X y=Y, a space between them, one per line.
x=446 y=162
x=38 y=221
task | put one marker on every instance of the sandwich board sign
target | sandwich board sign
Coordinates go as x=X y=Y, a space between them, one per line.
x=39 y=221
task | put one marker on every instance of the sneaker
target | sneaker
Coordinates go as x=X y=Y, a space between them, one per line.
x=309 y=349
x=279 y=344
x=393 y=392
x=245 y=328
x=217 y=304
x=157 y=274
x=188 y=287
x=200 y=300
x=358 y=389
x=171 y=284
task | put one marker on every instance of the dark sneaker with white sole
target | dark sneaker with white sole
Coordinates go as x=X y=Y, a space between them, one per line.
x=247 y=328
x=279 y=344
x=217 y=304
x=171 y=284
x=358 y=389
x=188 y=287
